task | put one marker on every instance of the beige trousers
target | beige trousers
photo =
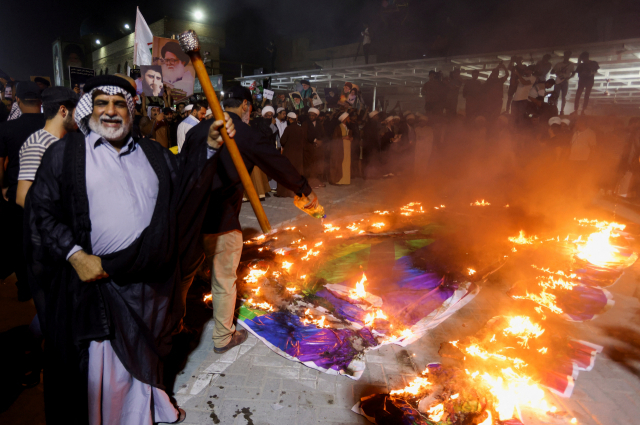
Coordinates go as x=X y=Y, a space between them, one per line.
x=223 y=250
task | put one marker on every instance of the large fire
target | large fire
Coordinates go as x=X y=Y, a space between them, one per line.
x=598 y=249
x=480 y=204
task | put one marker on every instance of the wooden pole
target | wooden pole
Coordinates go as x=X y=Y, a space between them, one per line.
x=191 y=46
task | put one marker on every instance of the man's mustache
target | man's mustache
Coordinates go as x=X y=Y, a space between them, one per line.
x=111 y=120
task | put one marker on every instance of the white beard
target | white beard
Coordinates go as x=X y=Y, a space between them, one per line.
x=109 y=133
x=172 y=75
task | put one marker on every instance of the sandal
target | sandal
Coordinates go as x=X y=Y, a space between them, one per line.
x=182 y=415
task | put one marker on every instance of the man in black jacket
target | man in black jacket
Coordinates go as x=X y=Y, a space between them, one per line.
x=12 y=136
x=220 y=208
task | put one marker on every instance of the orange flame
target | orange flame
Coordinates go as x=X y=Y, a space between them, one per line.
x=254 y=275
x=262 y=306
x=359 y=292
x=330 y=228
x=480 y=203
x=522 y=240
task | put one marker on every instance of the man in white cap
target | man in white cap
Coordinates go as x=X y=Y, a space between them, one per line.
x=281 y=122
x=313 y=148
x=340 y=158
x=197 y=112
x=265 y=124
x=371 y=145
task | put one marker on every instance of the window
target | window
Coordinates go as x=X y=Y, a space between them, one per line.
x=118 y=69
x=106 y=71
x=126 y=68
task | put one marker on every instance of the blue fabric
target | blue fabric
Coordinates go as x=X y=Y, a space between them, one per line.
x=327 y=348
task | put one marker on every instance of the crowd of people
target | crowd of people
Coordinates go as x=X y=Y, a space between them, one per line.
x=105 y=229
x=111 y=202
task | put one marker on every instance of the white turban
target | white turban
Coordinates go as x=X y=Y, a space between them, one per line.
x=344 y=116
x=188 y=107
x=208 y=112
x=314 y=111
x=268 y=109
x=292 y=115
x=555 y=120
x=279 y=110
x=565 y=121
x=373 y=114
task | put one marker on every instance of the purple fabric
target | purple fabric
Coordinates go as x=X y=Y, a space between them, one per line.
x=343 y=308
x=327 y=348
x=582 y=302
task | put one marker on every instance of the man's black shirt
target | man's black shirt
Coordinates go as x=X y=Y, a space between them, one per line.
x=12 y=135
x=224 y=204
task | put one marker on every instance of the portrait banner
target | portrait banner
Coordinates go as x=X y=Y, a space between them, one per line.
x=296 y=100
x=41 y=79
x=150 y=80
x=332 y=96
x=79 y=76
x=178 y=72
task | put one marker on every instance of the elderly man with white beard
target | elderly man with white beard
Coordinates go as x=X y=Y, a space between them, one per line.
x=102 y=249
x=173 y=68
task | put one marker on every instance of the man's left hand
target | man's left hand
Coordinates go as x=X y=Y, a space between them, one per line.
x=215 y=136
x=313 y=200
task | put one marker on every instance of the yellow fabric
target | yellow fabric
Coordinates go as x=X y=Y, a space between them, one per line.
x=174 y=150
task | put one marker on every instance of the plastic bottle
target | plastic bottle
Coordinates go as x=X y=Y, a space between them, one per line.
x=301 y=201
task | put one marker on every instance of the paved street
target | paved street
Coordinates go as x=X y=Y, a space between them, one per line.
x=252 y=385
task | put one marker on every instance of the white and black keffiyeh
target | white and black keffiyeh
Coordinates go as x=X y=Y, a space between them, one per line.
x=15 y=112
x=85 y=106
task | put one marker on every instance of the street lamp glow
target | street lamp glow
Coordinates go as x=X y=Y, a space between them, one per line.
x=126 y=26
x=97 y=41
x=198 y=15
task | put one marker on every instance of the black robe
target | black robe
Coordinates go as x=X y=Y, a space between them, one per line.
x=130 y=308
x=313 y=153
x=225 y=199
x=293 y=148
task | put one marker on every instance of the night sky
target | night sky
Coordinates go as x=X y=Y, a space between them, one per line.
x=466 y=26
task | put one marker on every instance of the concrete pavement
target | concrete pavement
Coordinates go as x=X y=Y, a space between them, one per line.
x=253 y=385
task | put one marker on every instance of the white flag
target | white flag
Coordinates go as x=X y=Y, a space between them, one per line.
x=143 y=42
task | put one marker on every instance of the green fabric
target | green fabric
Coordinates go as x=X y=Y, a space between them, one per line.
x=344 y=262
x=431 y=228
x=403 y=248
x=248 y=313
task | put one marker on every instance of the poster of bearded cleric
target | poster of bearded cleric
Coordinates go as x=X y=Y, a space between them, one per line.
x=177 y=70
